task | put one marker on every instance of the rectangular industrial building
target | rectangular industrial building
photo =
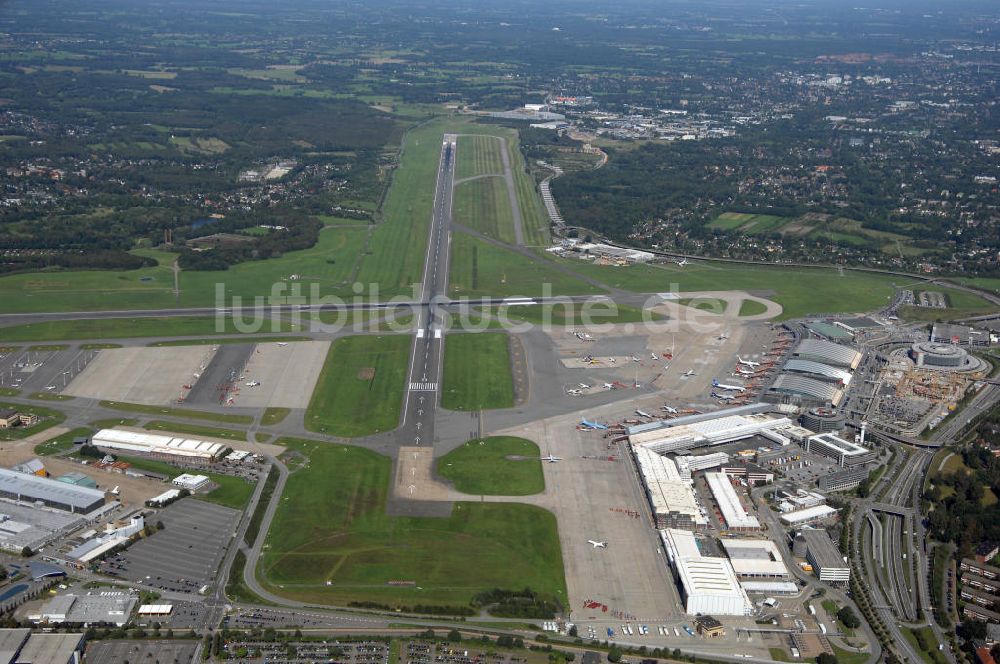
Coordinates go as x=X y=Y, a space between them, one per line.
x=20 y=646
x=705 y=429
x=733 y=513
x=755 y=558
x=843 y=480
x=808 y=515
x=826 y=559
x=52 y=493
x=708 y=585
x=845 y=453
x=157 y=445
x=108 y=607
x=671 y=499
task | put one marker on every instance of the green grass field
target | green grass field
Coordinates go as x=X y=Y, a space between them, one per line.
x=195 y=430
x=483 y=204
x=477 y=155
x=751 y=308
x=328 y=265
x=231 y=491
x=63 y=442
x=122 y=328
x=477 y=372
x=730 y=221
x=361 y=387
x=534 y=218
x=339 y=532
x=482 y=467
x=274 y=416
x=226 y=418
x=961 y=304
x=480 y=269
x=800 y=291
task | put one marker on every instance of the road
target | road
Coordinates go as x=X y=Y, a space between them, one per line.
x=420 y=402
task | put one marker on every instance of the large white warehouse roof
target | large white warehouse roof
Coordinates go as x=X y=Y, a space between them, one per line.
x=150 y=443
x=711 y=587
x=733 y=513
x=713 y=431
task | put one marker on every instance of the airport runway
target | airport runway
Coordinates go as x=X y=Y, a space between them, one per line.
x=424 y=376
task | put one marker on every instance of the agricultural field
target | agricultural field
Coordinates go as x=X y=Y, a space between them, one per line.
x=333 y=543
x=477 y=155
x=360 y=389
x=483 y=204
x=479 y=268
x=477 y=372
x=495 y=466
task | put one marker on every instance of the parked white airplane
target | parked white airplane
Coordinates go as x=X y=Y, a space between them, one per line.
x=282 y=343
x=609 y=386
x=574 y=393
x=652 y=356
x=253 y=383
x=723 y=336
x=723 y=397
x=747 y=362
x=115 y=491
x=584 y=386
x=728 y=388
x=741 y=371
x=669 y=409
x=689 y=372
x=598 y=545
x=635 y=359
x=551 y=459
x=642 y=413
x=682 y=262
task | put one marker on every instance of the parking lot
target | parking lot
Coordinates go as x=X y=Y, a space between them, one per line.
x=185 y=555
x=117 y=652
x=43 y=370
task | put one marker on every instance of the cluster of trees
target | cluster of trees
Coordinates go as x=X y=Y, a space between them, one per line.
x=960 y=515
x=300 y=233
x=101 y=259
x=429 y=610
x=524 y=603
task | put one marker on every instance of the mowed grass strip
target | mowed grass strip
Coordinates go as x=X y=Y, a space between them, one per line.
x=331 y=526
x=483 y=204
x=123 y=328
x=478 y=268
x=478 y=155
x=195 y=430
x=360 y=389
x=485 y=467
x=227 y=418
x=752 y=308
x=477 y=372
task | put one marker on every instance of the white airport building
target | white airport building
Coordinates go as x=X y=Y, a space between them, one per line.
x=808 y=515
x=686 y=465
x=733 y=513
x=190 y=482
x=702 y=430
x=708 y=585
x=135 y=442
x=758 y=559
x=845 y=453
x=671 y=499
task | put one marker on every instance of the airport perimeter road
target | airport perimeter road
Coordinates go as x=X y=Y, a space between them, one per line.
x=424 y=376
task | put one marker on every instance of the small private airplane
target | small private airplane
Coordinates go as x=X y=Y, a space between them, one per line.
x=583 y=386
x=748 y=363
x=574 y=393
x=115 y=491
x=682 y=262
x=728 y=388
x=669 y=409
x=282 y=343
x=653 y=356
x=597 y=545
x=689 y=372
x=723 y=336
x=551 y=459
x=253 y=383
x=608 y=386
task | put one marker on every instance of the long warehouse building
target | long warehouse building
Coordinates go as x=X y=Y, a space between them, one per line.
x=733 y=512
x=724 y=426
x=26 y=488
x=158 y=445
x=670 y=498
x=708 y=585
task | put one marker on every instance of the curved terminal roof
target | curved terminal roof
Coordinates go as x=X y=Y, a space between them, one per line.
x=828 y=351
x=818 y=369
x=807 y=387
